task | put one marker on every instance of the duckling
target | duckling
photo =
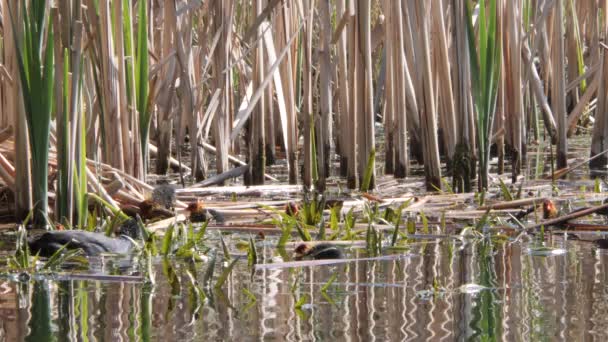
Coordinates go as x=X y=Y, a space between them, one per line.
x=198 y=213
x=306 y=251
x=292 y=209
x=164 y=194
x=151 y=210
x=91 y=243
x=549 y=209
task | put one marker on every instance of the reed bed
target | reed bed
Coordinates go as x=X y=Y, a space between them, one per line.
x=101 y=85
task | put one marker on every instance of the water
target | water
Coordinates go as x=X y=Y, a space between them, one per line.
x=437 y=290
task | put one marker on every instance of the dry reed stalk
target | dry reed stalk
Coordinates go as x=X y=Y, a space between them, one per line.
x=390 y=89
x=343 y=112
x=306 y=112
x=443 y=80
x=353 y=70
x=539 y=94
x=419 y=16
x=323 y=123
x=559 y=87
x=600 y=128
x=113 y=145
x=411 y=79
x=582 y=104
x=130 y=163
x=281 y=103
x=256 y=132
x=189 y=115
x=366 y=136
x=401 y=86
x=13 y=106
x=512 y=72
x=287 y=71
x=571 y=50
x=168 y=78
x=270 y=118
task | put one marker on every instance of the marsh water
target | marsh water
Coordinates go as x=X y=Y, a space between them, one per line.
x=450 y=289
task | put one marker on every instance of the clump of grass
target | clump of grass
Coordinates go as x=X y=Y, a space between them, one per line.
x=313 y=205
x=485 y=73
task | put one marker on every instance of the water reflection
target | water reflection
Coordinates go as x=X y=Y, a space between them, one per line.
x=438 y=291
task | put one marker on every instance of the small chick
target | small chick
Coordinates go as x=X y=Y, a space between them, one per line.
x=164 y=194
x=151 y=210
x=549 y=209
x=198 y=213
x=319 y=251
x=130 y=210
x=292 y=209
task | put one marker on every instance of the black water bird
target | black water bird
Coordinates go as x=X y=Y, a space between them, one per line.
x=601 y=243
x=198 y=213
x=90 y=243
x=306 y=251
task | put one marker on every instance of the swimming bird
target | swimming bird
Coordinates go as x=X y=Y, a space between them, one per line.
x=601 y=243
x=91 y=243
x=198 y=213
x=307 y=251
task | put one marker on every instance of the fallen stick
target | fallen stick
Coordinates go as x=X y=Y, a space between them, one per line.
x=7 y=173
x=222 y=177
x=240 y=190
x=232 y=159
x=568 y=217
x=588 y=227
x=100 y=189
x=512 y=204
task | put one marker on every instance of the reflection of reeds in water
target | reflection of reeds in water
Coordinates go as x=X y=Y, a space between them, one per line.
x=416 y=297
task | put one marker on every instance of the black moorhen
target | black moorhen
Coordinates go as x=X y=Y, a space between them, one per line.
x=601 y=243
x=91 y=243
x=319 y=251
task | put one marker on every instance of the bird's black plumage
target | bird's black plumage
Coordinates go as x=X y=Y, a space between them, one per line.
x=91 y=243
x=318 y=252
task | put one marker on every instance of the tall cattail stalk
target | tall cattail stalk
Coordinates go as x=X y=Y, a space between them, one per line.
x=37 y=75
x=256 y=131
x=287 y=72
x=307 y=98
x=13 y=108
x=168 y=78
x=512 y=101
x=464 y=161
x=323 y=123
x=343 y=112
x=443 y=80
x=559 y=87
x=390 y=99
x=600 y=129
x=365 y=131
x=418 y=14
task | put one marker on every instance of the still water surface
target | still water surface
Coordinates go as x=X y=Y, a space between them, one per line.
x=439 y=290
